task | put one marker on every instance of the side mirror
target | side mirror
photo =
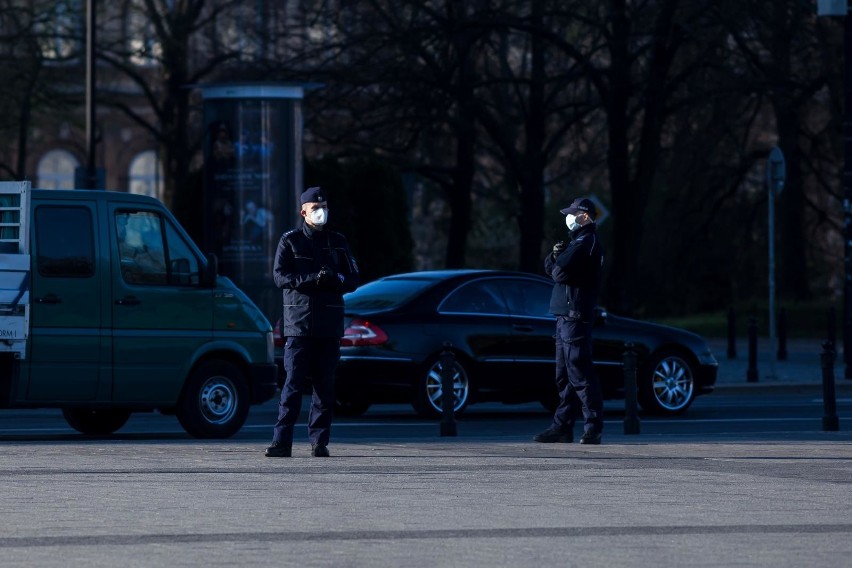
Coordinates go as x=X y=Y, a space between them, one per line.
x=211 y=270
x=600 y=318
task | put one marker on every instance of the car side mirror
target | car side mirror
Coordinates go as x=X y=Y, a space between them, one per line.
x=600 y=318
x=211 y=271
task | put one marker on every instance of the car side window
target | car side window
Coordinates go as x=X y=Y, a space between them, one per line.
x=480 y=297
x=528 y=298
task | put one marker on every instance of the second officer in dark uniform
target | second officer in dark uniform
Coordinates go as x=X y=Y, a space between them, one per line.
x=314 y=268
x=576 y=272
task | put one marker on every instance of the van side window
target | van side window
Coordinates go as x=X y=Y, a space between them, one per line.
x=184 y=267
x=65 y=242
x=151 y=251
x=140 y=247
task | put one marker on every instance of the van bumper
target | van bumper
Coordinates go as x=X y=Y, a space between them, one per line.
x=264 y=381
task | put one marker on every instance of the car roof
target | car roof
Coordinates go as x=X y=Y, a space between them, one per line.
x=437 y=275
x=93 y=194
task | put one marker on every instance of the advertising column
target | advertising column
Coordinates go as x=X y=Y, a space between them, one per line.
x=252 y=177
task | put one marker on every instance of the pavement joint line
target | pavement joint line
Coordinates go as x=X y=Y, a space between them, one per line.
x=423 y=534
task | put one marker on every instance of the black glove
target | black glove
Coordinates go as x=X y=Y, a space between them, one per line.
x=558 y=248
x=326 y=277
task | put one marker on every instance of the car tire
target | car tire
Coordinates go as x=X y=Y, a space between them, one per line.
x=348 y=407
x=215 y=401
x=96 y=421
x=667 y=384
x=427 y=395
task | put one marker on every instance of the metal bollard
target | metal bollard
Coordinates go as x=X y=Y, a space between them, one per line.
x=830 y=422
x=732 y=333
x=631 y=414
x=448 y=402
x=751 y=373
x=782 y=335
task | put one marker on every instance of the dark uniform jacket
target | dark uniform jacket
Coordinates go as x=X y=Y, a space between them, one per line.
x=576 y=274
x=311 y=310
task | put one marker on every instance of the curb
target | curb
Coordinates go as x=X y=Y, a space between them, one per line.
x=841 y=388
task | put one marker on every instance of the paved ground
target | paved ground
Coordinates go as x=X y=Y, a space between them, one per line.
x=733 y=499
x=431 y=502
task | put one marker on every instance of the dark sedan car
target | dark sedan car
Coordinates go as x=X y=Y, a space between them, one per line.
x=501 y=334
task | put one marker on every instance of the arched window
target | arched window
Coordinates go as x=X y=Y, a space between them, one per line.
x=146 y=175
x=56 y=170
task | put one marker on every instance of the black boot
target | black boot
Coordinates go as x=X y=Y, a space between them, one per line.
x=319 y=451
x=553 y=435
x=590 y=437
x=279 y=449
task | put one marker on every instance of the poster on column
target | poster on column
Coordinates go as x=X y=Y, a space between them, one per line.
x=244 y=179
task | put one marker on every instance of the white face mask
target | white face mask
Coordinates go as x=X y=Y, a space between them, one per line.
x=319 y=217
x=571 y=222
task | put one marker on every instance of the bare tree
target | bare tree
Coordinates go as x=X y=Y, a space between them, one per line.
x=164 y=48
x=34 y=49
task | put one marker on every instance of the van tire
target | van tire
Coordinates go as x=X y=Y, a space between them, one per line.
x=96 y=421
x=215 y=400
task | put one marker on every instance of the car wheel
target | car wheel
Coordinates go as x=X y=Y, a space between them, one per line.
x=427 y=398
x=96 y=421
x=668 y=384
x=347 y=407
x=215 y=401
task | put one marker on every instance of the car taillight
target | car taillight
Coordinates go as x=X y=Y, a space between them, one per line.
x=361 y=332
x=276 y=335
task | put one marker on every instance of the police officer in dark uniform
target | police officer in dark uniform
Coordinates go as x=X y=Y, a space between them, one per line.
x=576 y=272
x=314 y=268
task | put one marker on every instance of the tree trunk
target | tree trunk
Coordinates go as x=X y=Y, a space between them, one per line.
x=532 y=176
x=460 y=194
x=790 y=229
x=617 y=293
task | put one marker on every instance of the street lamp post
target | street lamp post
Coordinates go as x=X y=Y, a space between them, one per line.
x=847 y=193
x=91 y=172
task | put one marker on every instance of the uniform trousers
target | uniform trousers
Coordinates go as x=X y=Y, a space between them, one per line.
x=308 y=360
x=576 y=380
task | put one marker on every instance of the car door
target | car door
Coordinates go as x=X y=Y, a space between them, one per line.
x=474 y=315
x=66 y=339
x=534 y=327
x=528 y=301
x=161 y=315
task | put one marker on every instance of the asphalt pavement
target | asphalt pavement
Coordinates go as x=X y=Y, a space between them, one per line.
x=394 y=493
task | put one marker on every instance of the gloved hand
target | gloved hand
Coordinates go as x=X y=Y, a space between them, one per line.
x=558 y=248
x=326 y=277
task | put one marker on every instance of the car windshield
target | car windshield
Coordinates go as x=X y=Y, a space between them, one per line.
x=385 y=294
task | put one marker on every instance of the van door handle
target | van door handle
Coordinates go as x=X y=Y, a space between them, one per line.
x=49 y=299
x=128 y=301
x=519 y=327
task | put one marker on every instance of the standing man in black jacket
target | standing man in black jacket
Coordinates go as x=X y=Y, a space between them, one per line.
x=314 y=268
x=576 y=272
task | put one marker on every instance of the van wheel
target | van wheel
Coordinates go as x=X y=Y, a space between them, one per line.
x=96 y=421
x=215 y=401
